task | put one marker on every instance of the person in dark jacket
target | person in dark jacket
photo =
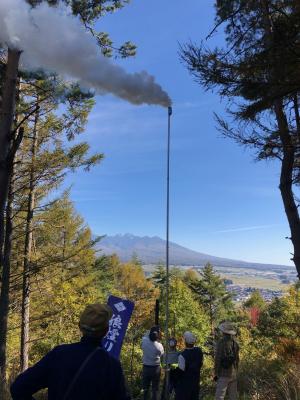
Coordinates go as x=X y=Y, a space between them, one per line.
x=77 y=371
x=189 y=363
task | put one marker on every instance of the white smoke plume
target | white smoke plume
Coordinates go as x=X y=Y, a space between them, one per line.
x=53 y=39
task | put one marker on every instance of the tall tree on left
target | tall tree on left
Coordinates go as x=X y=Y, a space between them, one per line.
x=11 y=132
x=7 y=148
x=8 y=102
x=88 y=12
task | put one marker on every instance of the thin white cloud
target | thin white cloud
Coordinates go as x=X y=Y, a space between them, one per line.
x=247 y=228
x=127 y=130
x=193 y=104
x=85 y=196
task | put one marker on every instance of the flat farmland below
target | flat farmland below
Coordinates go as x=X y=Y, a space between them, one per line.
x=258 y=282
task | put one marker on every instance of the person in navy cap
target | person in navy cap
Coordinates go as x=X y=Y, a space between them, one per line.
x=77 y=371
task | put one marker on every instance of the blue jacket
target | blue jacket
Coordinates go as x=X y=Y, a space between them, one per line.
x=101 y=379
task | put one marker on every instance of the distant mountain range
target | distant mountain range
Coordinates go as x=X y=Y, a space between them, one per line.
x=152 y=250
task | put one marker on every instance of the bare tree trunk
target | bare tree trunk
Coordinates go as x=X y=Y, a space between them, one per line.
x=6 y=122
x=4 y=296
x=24 y=351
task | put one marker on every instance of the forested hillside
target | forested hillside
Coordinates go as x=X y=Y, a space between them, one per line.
x=268 y=333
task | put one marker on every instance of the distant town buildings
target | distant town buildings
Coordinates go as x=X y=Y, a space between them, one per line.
x=242 y=293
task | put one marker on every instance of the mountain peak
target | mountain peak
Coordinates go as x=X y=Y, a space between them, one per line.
x=151 y=250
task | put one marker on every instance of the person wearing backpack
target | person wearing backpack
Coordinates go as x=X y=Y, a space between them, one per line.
x=226 y=362
x=77 y=371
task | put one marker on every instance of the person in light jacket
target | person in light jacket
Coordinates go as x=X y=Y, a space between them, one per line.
x=152 y=353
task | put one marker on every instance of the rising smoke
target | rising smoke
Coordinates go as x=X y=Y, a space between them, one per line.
x=52 y=39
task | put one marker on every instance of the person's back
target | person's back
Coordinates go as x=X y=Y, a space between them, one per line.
x=152 y=351
x=227 y=347
x=226 y=363
x=189 y=365
x=82 y=371
x=193 y=363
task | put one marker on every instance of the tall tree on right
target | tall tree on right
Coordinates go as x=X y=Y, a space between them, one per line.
x=258 y=71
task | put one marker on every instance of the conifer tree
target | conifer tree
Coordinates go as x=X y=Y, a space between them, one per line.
x=88 y=12
x=257 y=71
x=62 y=276
x=210 y=292
x=255 y=300
x=44 y=158
x=11 y=137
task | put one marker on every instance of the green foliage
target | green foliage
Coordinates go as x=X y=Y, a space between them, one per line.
x=269 y=379
x=159 y=276
x=54 y=155
x=190 y=276
x=243 y=69
x=270 y=352
x=61 y=244
x=210 y=292
x=128 y=49
x=105 y=267
x=255 y=301
x=63 y=273
x=185 y=312
x=62 y=280
x=281 y=318
x=70 y=275
x=88 y=11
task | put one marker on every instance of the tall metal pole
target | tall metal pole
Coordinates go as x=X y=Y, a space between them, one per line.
x=167 y=257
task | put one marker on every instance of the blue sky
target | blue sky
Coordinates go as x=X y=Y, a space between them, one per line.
x=222 y=202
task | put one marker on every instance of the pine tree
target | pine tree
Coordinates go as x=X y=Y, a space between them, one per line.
x=210 y=292
x=88 y=12
x=258 y=72
x=48 y=162
x=63 y=278
x=44 y=158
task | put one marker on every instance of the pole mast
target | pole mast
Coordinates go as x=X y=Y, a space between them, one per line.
x=167 y=255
